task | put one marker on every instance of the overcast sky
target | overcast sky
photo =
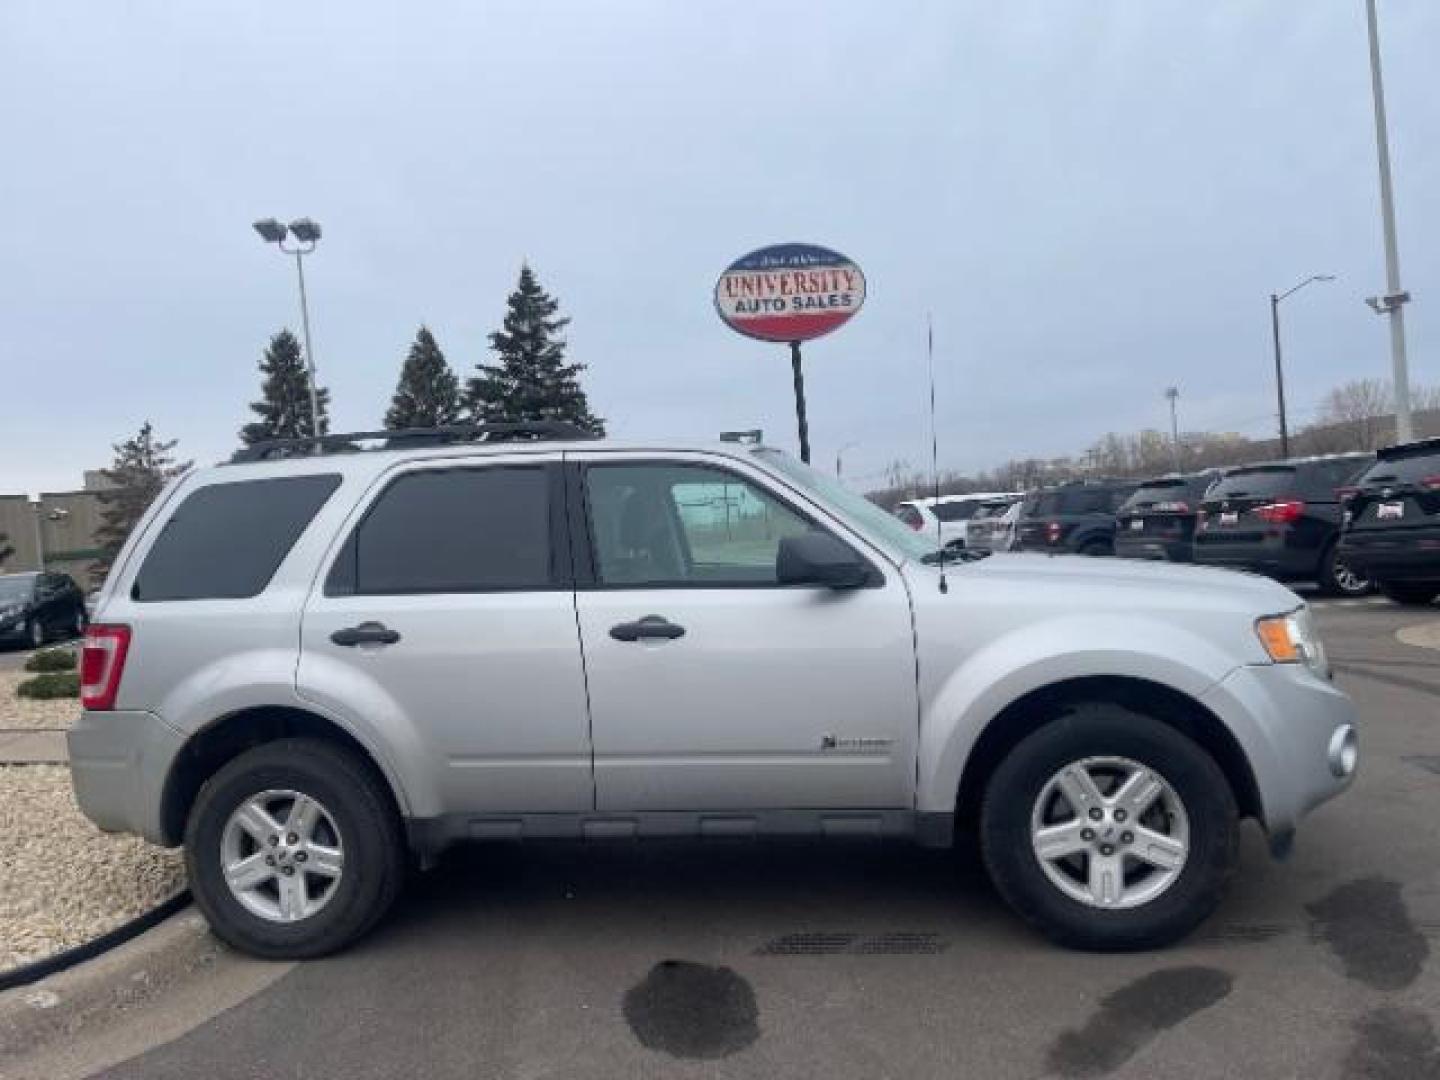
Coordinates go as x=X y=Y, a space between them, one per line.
x=1093 y=198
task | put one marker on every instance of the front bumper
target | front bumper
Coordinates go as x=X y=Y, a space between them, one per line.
x=1293 y=726
x=118 y=764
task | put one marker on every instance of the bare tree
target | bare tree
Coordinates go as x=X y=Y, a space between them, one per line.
x=1360 y=409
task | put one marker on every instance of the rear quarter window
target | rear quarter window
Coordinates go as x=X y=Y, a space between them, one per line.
x=225 y=541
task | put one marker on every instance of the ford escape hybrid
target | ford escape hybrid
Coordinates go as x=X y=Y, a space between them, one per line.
x=320 y=660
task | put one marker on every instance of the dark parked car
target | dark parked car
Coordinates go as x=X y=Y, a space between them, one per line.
x=1077 y=517
x=36 y=608
x=1283 y=519
x=1158 y=521
x=1392 y=532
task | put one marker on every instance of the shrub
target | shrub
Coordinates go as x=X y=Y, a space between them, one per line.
x=51 y=660
x=51 y=685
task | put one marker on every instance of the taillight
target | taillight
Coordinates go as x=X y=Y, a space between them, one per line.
x=1052 y=532
x=1172 y=507
x=1280 y=513
x=102 y=661
x=1431 y=483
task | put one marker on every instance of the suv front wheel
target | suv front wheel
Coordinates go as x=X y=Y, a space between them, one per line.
x=1110 y=830
x=293 y=850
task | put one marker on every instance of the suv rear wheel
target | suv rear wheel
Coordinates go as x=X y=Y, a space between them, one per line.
x=1408 y=592
x=1337 y=579
x=293 y=849
x=1109 y=830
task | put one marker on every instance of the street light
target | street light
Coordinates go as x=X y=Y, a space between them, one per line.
x=1395 y=298
x=839 y=453
x=1279 y=370
x=55 y=513
x=1173 y=393
x=307 y=232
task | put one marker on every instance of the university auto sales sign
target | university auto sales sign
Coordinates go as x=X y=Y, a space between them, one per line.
x=789 y=292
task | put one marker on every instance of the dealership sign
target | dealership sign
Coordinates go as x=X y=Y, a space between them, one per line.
x=789 y=292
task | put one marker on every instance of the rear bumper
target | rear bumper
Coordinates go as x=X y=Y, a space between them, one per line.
x=118 y=764
x=1140 y=548
x=1269 y=556
x=1413 y=558
x=1291 y=724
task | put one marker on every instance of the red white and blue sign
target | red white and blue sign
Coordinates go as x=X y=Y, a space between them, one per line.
x=789 y=292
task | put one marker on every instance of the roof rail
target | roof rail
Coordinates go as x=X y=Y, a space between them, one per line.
x=410 y=438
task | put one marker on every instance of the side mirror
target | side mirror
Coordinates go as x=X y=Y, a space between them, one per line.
x=818 y=558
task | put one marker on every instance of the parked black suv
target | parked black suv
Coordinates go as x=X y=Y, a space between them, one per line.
x=34 y=608
x=1158 y=521
x=1392 y=532
x=1283 y=519
x=1077 y=517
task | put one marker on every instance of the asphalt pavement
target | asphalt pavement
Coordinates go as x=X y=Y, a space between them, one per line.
x=747 y=960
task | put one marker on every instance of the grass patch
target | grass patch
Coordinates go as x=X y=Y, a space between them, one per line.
x=51 y=660
x=50 y=686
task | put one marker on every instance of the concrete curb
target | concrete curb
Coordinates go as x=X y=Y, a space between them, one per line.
x=149 y=990
x=1422 y=636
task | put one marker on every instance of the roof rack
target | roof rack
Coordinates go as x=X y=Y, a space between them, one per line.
x=409 y=439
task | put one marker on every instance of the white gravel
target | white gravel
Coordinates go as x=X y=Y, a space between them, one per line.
x=64 y=881
x=18 y=712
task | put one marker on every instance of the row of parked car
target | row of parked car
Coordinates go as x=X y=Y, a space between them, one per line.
x=1349 y=522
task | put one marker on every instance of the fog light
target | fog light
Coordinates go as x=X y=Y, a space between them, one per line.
x=1344 y=751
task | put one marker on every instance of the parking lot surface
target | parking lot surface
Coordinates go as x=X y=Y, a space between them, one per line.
x=876 y=961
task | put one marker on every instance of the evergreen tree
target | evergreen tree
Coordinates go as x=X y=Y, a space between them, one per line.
x=531 y=380
x=285 y=408
x=142 y=466
x=428 y=394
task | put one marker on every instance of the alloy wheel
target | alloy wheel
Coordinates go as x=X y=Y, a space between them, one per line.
x=282 y=855
x=1110 y=832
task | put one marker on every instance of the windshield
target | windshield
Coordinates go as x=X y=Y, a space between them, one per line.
x=861 y=511
x=15 y=588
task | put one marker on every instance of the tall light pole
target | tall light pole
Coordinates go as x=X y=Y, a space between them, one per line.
x=839 y=453
x=1172 y=393
x=41 y=514
x=307 y=233
x=1395 y=298
x=1279 y=369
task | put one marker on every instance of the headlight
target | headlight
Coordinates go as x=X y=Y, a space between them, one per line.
x=1290 y=639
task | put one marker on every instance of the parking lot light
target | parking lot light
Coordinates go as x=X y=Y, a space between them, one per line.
x=1279 y=369
x=270 y=230
x=307 y=232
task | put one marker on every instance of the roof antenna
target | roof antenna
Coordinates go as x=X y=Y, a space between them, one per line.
x=935 y=451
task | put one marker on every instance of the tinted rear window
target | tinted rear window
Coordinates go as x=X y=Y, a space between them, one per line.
x=451 y=531
x=1410 y=469
x=225 y=541
x=956 y=511
x=1177 y=489
x=1256 y=484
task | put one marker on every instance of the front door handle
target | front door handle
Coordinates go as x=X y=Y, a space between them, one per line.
x=367 y=633
x=651 y=626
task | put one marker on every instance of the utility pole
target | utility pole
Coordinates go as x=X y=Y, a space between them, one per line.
x=1173 y=393
x=1395 y=298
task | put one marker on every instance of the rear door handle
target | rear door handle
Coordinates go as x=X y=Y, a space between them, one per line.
x=367 y=633
x=651 y=626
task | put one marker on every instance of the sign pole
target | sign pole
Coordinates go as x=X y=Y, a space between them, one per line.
x=800 y=402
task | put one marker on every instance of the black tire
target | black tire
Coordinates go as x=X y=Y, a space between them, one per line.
x=1410 y=592
x=1334 y=578
x=1099 y=730
x=362 y=810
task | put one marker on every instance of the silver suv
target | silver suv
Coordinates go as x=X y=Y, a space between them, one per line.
x=323 y=659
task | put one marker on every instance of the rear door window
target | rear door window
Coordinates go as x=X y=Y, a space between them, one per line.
x=225 y=541
x=460 y=530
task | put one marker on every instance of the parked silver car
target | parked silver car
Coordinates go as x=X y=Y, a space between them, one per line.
x=309 y=665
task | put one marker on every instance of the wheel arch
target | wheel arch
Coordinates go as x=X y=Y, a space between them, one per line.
x=1165 y=704
x=225 y=738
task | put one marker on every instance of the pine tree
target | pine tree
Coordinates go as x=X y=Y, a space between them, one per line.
x=142 y=466
x=532 y=380
x=428 y=394
x=285 y=408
